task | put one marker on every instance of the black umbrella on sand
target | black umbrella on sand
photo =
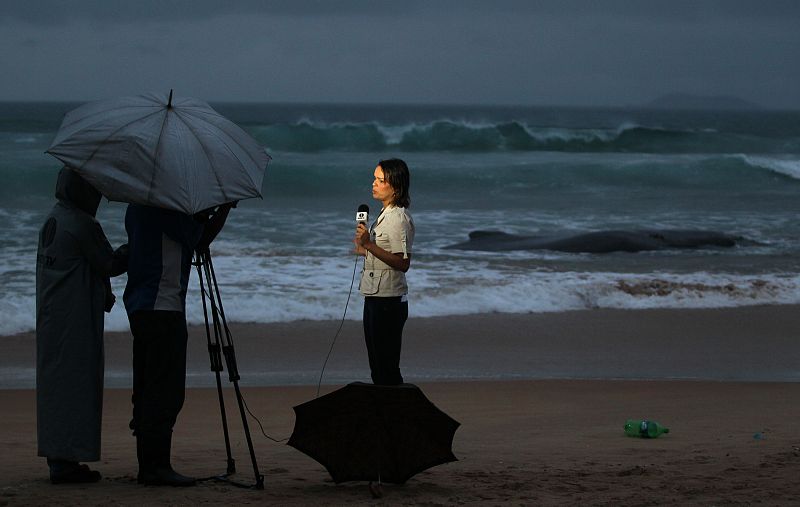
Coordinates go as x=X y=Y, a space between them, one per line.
x=364 y=432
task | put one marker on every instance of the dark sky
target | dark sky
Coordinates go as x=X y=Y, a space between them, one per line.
x=558 y=52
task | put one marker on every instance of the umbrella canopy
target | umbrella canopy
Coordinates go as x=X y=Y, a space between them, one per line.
x=158 y=151
x=368 y=432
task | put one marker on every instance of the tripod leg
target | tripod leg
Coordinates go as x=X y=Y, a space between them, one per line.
x=214 y=353
x=233 y=370
x=258 y=476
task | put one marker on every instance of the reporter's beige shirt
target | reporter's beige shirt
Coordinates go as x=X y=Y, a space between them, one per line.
x=394 y=232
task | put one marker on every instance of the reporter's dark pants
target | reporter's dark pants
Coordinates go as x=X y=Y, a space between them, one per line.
x=159 y=371
x=384 y=318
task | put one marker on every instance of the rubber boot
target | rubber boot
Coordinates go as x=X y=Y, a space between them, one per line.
x=65 y=471
x=140 y=460
x=157 y=470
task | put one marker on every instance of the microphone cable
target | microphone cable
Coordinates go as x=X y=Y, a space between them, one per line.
x=330 y=350
x=241 y=395
x=327 y=357
x=341 y=324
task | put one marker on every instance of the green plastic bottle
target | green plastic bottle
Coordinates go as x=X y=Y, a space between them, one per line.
x=644 y=429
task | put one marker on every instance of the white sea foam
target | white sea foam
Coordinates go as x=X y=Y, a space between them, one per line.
x=787 y=165
x=286 y=289
x=571 y=134
x=394 y=133
x=547 y=292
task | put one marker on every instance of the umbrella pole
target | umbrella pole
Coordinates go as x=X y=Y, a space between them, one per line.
x=230 y=361
x=214 y=354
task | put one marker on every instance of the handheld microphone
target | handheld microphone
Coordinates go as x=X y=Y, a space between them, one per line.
x=362 y=215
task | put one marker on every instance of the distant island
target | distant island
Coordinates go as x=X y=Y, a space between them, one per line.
x=689 y=101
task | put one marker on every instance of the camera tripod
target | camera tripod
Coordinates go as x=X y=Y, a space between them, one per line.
x=221 y=344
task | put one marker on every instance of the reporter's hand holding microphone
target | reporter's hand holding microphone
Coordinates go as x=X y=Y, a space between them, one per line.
x=362 y=231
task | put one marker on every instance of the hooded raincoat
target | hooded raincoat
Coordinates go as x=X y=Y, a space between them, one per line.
x=73 y=264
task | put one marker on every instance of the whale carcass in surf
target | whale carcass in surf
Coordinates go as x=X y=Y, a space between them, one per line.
x=599 y=242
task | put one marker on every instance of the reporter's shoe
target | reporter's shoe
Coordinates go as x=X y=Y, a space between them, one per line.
x=164 y=476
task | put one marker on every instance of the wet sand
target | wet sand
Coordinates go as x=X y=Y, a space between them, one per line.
x=757 y=343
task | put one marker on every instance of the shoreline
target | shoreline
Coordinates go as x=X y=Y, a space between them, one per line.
x=754 y=343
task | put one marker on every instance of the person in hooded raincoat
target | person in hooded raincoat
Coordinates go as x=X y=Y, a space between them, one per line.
x=74 y=263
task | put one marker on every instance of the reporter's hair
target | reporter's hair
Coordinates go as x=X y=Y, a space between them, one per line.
x=395 y=171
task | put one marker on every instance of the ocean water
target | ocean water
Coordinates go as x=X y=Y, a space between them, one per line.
x=529 y=171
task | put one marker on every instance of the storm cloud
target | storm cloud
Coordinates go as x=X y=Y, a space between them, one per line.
x=504 y=52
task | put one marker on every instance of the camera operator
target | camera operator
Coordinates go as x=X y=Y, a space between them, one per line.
x=162 y=244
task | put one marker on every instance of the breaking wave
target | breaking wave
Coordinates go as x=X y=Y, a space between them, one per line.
x=461 y=136
x=780 y=165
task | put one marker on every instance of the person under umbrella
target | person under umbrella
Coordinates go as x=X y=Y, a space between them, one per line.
x=73 y=265
x=173 y=159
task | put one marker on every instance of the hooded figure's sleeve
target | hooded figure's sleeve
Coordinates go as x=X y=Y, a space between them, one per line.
x=95 y=247
x=102 y=259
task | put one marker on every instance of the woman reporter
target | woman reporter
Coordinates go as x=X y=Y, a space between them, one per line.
x=386 y=248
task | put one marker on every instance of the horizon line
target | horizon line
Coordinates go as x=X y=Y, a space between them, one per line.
x=645 y=106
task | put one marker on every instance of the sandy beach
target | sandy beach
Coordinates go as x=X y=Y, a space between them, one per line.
x=541 y=398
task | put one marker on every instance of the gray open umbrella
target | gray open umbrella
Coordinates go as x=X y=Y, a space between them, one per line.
x=158 y=151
